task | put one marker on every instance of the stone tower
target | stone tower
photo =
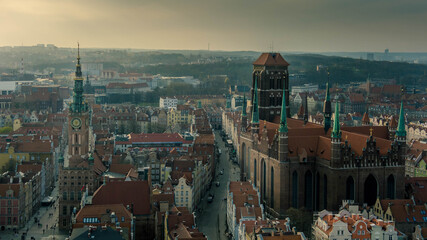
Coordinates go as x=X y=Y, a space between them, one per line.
x=271 y=74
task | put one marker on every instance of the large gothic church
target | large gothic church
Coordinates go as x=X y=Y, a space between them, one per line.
x=297 y=164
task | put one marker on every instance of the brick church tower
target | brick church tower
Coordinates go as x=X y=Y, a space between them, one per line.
x=272 y=77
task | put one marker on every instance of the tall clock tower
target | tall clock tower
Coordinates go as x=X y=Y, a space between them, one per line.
x=78 y=118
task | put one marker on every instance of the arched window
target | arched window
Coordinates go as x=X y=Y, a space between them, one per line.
x=308 y=189
x=325 y=191
x=349 y=188
x=391 y=187
x=272 y=187
x=295 y=189
x=249 y=164
x=370 y=190
x=264 y=178
x=255 y=182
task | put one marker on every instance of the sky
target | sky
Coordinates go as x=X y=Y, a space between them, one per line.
x=231 y=25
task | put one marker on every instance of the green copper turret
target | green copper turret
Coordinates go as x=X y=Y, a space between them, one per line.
x=283 y=128
x=401 y=131
x=336 y=132
x=255 y=110
x=78 y=105
x=327 y=109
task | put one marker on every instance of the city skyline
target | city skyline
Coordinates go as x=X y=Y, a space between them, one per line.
x=309 y=26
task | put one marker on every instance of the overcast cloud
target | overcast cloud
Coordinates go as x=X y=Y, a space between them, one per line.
x=293 y=25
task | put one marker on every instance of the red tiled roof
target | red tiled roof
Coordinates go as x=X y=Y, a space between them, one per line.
x=126 y=193
x=271 y=59
x=392 y=89
x=155 y=137
x=120 y=168
x=356 y=98
x=25 y=168
x=97 y=210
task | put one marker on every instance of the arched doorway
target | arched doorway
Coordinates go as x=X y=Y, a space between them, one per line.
x=272 y=187
x=295 y=189
x=349 y=189
x=255 y=182
x=391 y=187
x=325 y=192
x=263 y=179
x=308 y=189
x=371 y=190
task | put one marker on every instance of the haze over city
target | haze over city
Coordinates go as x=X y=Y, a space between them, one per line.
x=291 y=25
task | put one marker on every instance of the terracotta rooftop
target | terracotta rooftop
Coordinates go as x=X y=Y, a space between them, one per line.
x=271 y=59
x=126 y=193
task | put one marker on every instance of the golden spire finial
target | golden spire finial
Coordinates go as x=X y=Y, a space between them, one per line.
x=78 y=50
x=371 y=130
x=346 y=136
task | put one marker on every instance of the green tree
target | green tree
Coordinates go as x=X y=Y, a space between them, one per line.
x=5 y=130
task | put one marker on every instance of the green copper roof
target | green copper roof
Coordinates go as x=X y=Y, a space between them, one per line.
x=78 y=105
x=244 y=106
x=228 y=103
x=283 y=128
x=336 y=133
x=401 y=131
x=199 y=104
x=255 y=110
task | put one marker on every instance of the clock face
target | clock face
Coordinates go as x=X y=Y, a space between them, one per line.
x=76 y=122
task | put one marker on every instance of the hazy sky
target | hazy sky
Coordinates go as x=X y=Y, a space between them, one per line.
x=293 y=25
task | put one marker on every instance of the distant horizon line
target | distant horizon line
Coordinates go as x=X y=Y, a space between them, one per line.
x=210 y=50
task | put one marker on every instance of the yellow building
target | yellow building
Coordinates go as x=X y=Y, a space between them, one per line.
x=17 y=124
x=8 y=154
x=182 y=115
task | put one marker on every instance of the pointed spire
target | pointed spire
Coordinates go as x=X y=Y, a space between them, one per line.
x=78 y=66
x=244 y=106
x=255 y=110
x=283 y=128
x=401 y=131
x=336 y=132
x=327 y=109
x=327 y=98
